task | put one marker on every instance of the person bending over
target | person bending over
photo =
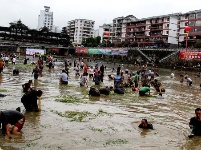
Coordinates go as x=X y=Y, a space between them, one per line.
x=144 y=90
x=145 y=125
x=29 y=100
x=11 y=117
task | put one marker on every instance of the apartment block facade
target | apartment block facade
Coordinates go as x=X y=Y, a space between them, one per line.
x=45 y=19
x=193 y=20
x=80 y=29
x=116 y=29
x=167 y=29
x=148 y=31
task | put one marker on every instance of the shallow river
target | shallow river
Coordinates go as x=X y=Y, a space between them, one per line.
x=109 y=122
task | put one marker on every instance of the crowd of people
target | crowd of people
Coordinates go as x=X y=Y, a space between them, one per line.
x=139 y=81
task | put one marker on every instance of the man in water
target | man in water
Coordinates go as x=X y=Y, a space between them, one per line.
x=1 y=65
x=64 y=77
x=157 y=85
x=29 y=100
x=195 y=123
x=83 y=80
x=136 y=79
x=36 y=72
x=145 y=125
x=11 y=117
x=27 y=86
x=189 y=81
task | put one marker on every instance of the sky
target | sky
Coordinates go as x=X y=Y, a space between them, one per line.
x=100 y=11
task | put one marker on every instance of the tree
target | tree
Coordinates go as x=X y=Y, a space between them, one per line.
x=134 y=44
x=91 y=42
x=197 y=44
x=125 y=43
x=18 y=27
x=97 y=40
x=65 y=37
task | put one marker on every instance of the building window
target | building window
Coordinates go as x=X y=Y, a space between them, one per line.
x=167 y=25
x=168 y=19
x=198 y=15
x=167 y=32
x=186 y=17
x=186 y=23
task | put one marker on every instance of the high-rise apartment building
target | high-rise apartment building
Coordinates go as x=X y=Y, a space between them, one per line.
x=45 y=19
x=80 y=29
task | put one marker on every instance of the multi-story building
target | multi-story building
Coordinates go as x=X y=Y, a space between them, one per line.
x=80 y=29
x=106 y=28
x=116 y=29
x=149 y=31
x=119 y=27
x=45 y=19
x=193 y=20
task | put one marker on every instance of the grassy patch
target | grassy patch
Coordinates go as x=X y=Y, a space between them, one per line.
x=3 y=90
x=67 y=99
x=116 y=142
x=82 y=116
x=24 y=66
x=76 y=115
x=96 y=129
x=102 y=113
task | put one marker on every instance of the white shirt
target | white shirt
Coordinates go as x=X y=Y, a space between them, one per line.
x=189 y=79
x=64 y=77
x=14 y=59
x=6 y=58
x=91 y=71
x=83 y=80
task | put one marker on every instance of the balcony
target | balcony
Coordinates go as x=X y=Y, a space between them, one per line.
x=140 y=30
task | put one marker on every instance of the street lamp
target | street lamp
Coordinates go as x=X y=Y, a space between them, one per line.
x=187 y=29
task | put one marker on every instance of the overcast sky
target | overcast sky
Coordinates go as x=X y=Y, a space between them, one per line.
x=101 y=11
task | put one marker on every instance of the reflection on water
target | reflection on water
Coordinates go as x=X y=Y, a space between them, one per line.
x=109 y=123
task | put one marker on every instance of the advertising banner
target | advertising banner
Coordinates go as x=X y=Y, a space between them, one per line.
x=185 y=55
x=30 y=51
x=93 y=51
x=81 y=50
x=123 y=52
x=113 y=51
x=105 y=51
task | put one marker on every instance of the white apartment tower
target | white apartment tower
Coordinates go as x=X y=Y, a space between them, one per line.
x=45 y=19
x=80 y=29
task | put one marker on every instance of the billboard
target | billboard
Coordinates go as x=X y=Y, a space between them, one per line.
x=81 y=50
x=30 y=51
x=185 y=55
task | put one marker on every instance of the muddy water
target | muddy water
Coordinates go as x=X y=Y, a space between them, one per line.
x=107 y=122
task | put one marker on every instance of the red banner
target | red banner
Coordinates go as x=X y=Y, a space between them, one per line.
x=81 y=50
x=190 y=55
